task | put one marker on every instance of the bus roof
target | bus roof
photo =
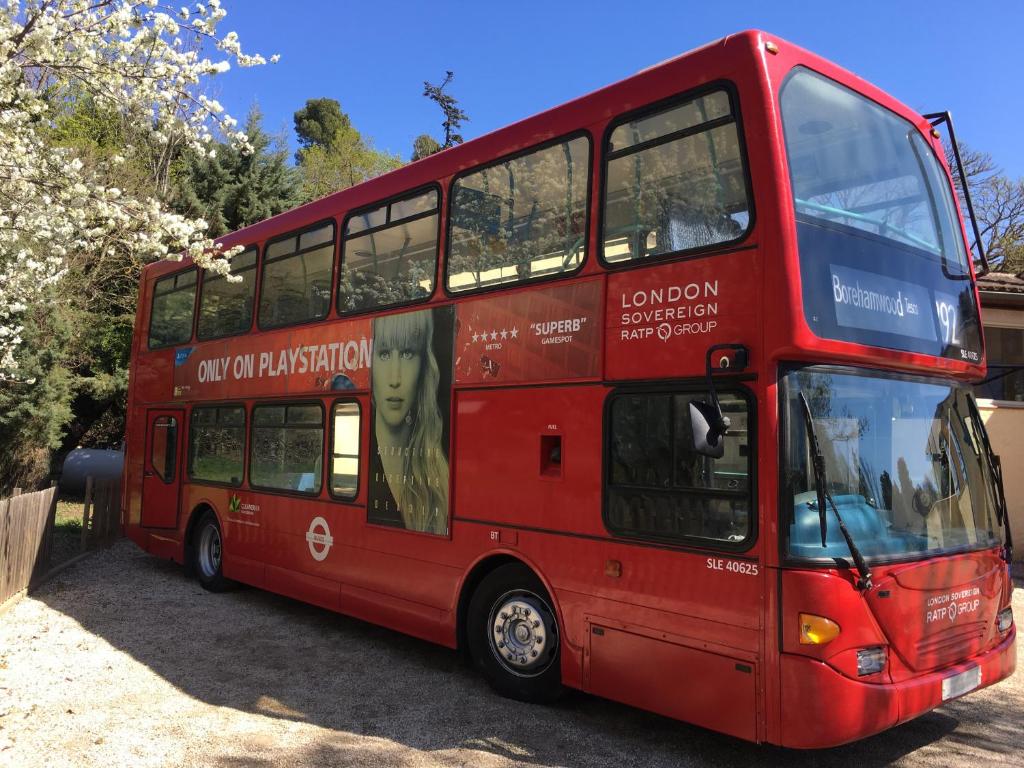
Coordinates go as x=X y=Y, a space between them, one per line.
x=708 y=63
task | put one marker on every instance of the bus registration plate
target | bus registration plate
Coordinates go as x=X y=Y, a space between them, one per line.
x=959 y=684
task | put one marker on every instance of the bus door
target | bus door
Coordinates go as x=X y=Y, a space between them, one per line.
x=161 y=482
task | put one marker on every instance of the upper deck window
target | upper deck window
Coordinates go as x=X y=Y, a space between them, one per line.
x=389 y=255
x=676 y=181
x=297 y=278
x=520 y=219
x=225 y=306
x=174 y=300
x=882 y=257
x=855 y=163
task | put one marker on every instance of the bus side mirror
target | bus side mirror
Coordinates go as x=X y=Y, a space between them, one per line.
x=707 y=429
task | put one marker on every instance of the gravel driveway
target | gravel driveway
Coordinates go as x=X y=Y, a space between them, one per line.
x=121 y=660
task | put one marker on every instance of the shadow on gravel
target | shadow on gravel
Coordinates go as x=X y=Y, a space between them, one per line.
x=261 y=653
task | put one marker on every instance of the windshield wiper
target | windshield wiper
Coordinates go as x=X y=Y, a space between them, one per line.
x=995 y=467
x=820 y=485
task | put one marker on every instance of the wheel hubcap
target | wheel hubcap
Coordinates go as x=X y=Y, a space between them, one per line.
x=524 y=635
x=209 y=551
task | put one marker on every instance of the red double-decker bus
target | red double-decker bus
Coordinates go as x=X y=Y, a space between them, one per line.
x=662 y=394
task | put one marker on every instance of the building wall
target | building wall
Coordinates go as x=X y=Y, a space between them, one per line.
x=1004 y=317
x=1005 y=424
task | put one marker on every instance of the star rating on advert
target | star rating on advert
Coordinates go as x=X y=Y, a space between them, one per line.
x=494 y=335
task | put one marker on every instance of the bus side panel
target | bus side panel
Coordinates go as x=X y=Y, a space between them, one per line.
x=681 y=602
x=505 y=439
x=661 y=320
x=702 y=688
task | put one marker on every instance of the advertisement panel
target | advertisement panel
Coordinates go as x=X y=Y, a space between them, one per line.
x=543 y=334
x=411 y=381
x=315 y=358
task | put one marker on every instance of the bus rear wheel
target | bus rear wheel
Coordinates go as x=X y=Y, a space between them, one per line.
x=513 y=636
x=207 y=554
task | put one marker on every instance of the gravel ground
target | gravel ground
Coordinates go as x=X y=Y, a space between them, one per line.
x=122 y=661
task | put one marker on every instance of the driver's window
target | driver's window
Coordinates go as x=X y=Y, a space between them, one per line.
x=659 y=487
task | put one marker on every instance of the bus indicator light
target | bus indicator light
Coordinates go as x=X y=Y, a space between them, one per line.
x=817 y=630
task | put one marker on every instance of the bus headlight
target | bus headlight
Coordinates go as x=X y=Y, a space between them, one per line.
x=871 y=660
x=1004 y=619
x=817 y=630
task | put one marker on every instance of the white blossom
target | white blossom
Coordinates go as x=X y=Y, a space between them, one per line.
x=131 y=58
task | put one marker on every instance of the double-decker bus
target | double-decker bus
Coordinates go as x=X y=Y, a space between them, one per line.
x=662 y=394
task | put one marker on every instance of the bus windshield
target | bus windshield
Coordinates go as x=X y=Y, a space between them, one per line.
x=882 y=253
x=904 y=463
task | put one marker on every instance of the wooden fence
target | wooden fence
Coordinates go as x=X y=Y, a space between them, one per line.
x=101 y=513
x=27 y=524
x=26 y=533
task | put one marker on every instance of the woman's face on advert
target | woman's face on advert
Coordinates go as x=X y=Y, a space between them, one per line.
x=396 y=373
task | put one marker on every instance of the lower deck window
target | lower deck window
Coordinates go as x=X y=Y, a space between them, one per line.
x=659 y=487
x=345 y=449
x=217 y=444
x=287 y=447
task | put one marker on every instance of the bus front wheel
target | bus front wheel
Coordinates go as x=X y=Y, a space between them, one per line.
x=513 y=635
x=208 y=554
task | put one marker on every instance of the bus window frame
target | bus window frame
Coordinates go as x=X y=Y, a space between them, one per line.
x=245 y=446
x=152 y=301
x=312 y=494
x=388 y=202
x=330 y=451
x=262 y=265
x=256 y=269
x=587 y=204
x=732 y=92
x=735 y=385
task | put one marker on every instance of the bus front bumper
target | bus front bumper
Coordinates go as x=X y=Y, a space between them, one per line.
x=823 y=708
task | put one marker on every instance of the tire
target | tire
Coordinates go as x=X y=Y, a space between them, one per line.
x=206 y=559
x=513 y=636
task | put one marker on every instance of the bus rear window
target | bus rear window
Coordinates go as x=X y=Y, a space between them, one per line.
x=174 y=299
x=297 y=278
x=520 y=219
x=676 y=181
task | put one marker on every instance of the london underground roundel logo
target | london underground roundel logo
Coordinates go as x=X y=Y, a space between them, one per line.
x=319 y=538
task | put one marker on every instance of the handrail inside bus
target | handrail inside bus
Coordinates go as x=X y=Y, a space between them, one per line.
x=883 y=226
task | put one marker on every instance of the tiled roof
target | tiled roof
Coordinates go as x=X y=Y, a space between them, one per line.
x=1001 y=282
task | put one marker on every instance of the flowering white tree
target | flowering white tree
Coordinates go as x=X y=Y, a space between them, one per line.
x=141 y=61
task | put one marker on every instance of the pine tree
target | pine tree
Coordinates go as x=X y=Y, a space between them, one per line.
x=454 y=117
x=262 y=185
x=232 y=190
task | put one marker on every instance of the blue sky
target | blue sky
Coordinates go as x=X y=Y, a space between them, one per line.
x=514 y=58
